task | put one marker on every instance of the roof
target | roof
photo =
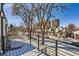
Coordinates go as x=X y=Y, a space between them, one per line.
x=76 y=32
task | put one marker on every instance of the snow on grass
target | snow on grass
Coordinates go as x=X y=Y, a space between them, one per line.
x=17 y=52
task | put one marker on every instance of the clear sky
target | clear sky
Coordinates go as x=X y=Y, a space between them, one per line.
x=69 y=16
x=9 y=15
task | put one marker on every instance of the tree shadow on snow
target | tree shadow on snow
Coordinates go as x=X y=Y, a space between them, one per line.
x=18 y=48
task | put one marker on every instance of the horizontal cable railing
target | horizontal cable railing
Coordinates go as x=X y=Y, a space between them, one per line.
x=54 y=46
x=59 y=48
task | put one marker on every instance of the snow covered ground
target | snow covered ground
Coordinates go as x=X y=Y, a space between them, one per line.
x=64 y=49
x=31 y=50
x=24 y=48
x=17 y=52
x=34 y=52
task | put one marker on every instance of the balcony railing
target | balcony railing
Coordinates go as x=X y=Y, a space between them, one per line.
x=58 y=47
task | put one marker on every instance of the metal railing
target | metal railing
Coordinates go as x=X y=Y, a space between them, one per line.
x=68 y=49
x=54 y=47
x=58 y=49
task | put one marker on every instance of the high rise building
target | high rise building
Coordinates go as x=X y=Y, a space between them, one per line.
x=55 y=26
x=55 y=23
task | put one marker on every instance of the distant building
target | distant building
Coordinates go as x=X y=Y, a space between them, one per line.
x=55 y=26
x=3 y=29
x=55 y=23
x=47 y=26
x=76 y=34
x=43 y=24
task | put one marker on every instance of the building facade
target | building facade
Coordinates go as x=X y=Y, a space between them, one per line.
x=55 y=23
x=56 y=27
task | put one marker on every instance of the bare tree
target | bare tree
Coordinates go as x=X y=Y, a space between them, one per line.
x=71 y=27
x=46 y=11
x=26 y=12
x=41 y=11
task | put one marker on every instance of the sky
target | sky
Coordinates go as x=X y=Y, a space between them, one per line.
x=69 y=16
x=15 y=20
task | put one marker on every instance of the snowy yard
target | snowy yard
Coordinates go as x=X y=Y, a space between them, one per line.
x=24 y=48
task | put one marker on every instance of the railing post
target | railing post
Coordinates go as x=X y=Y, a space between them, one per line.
x=56 y=48
x=38 y=42
x=30 y=38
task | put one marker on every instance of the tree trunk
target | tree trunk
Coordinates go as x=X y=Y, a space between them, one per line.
x=43 y=30
x=30 y=28
x=30 y=36
x=29 y=31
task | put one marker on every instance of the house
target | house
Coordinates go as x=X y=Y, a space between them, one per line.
x=3 y=29
x=76 y=34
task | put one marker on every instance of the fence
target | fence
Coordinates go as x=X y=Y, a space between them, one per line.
x=55 y=47
x=58 y=48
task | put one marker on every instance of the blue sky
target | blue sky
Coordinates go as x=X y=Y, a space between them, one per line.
x=70 y=16
x=15 y=20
